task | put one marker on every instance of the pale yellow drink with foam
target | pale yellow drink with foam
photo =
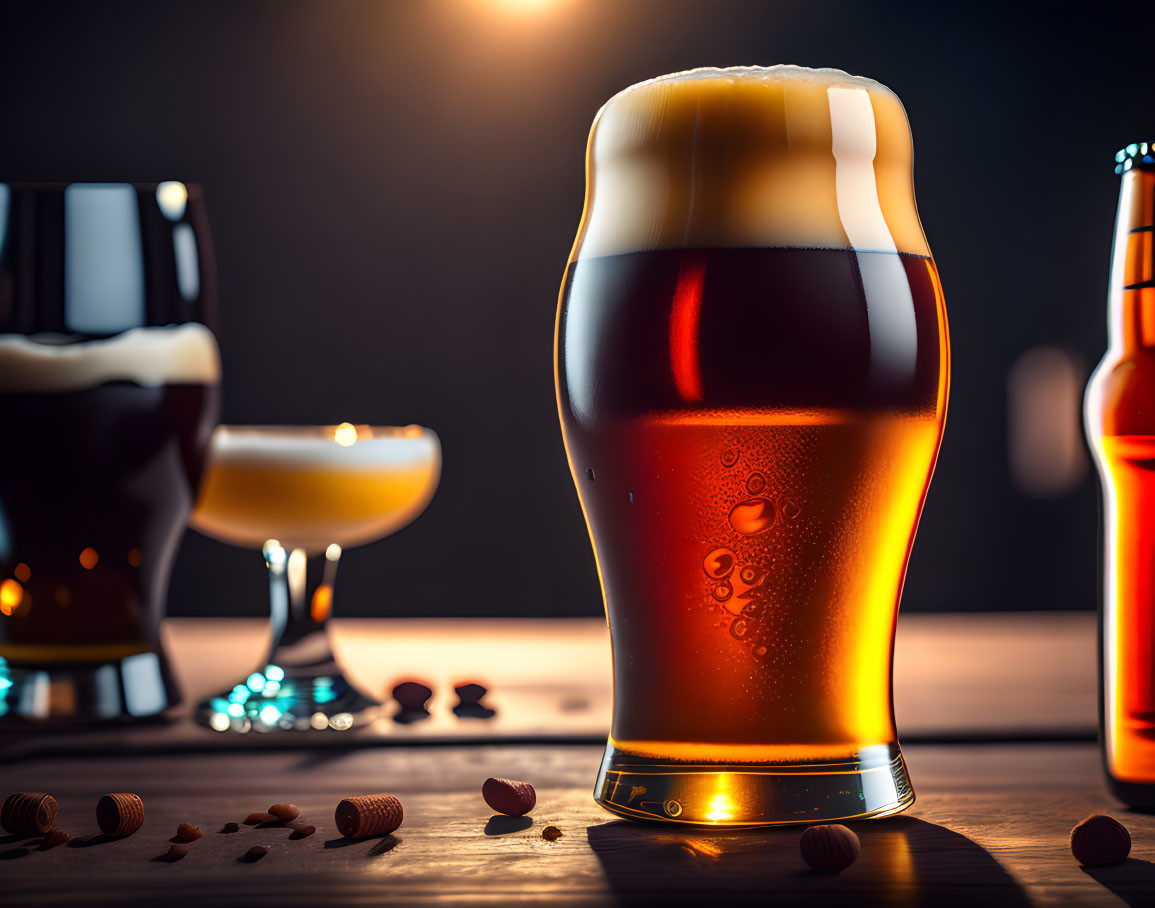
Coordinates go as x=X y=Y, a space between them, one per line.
x=311 y=487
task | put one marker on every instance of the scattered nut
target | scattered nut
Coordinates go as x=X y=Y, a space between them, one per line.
x=53 y=838
x=254 y=818
x=1100 y=841
x=176 y=852
x=186 y=832
x=551 y=833
x=829 y=849
x=256 y=852
x=412 y=695
x=301 y=830
x=29 y=813
x=367 y=815
x=119 y=814
x=230 y=827
x=286 y=813
x=506 y=796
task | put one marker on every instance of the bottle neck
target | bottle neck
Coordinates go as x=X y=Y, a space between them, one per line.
x=1132 y=284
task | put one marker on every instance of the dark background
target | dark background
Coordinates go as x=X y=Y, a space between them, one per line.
x=394 y=186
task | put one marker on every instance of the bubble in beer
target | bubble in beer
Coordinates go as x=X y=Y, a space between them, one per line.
x=741 y=628
x=791 y=509
x=723 y=591
x=753 y=516
x=719 y=563
x=729 y=457
x=748 y=575
x=755 y=483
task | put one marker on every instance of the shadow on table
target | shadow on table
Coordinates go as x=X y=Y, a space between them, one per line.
x=904 y=861
x=1133 y=881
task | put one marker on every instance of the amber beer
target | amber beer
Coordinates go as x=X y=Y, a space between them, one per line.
x=1120 y=424
x=752 y=365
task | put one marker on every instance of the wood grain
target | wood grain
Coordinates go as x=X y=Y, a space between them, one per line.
x=990 y=827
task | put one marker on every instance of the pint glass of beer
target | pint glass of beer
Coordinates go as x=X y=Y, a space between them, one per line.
x=752 y=366
x=109 y=377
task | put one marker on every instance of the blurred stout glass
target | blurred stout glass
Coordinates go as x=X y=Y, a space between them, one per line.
x=109 y=377
x=752 y=367
x=1119 y=413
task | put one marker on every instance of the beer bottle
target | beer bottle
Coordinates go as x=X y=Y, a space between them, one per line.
x=1119 y=411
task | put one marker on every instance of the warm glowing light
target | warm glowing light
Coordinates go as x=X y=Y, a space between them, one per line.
x=721 y=809
x=322 y=603
x=63 y=596
x=341 y=721
x=11 y=595
x=23 y=572
x=319 y=721
x=333 y=552
x=89 y=558
x=134 y=557
x=219 y=722
x=526 y=6
x=171 y=198
x=345 y=434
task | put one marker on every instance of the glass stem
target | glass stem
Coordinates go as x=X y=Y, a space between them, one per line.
x=300 y=621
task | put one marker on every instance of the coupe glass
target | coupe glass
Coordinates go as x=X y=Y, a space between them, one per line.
x=301 y=493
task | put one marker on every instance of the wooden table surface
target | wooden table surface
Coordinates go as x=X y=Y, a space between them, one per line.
x=990 y=825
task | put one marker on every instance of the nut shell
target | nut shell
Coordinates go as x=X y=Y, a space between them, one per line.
x=829 y=849
x=119 y=814
x=1100 y=841
x=286 y=813
x=366 y=815
x=186 y=832
x=29 y=813
x=53 y=838
x=509 y=797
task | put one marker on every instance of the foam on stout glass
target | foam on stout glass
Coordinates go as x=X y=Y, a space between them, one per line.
x=109 y=389
x=752 y=364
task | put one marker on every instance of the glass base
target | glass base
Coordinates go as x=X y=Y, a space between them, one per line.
x=138 y=686
x=873 y=785
x=281 y=699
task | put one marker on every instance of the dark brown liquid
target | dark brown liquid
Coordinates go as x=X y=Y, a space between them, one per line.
x=752 y=448
x=96 y=487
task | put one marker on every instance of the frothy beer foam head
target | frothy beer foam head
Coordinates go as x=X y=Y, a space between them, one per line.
x=176 y=354
x=751 y=156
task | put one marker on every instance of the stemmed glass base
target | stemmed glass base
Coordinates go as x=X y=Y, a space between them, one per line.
x=300 y=685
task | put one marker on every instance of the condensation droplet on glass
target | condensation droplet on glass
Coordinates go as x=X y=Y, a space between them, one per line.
x=719 y=563
x=754 y=516
x=755 y=483
x=723 y=591
x=729 y=457
x=791 y=509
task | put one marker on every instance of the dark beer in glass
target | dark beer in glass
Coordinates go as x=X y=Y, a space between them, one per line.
x=752 y=365
x=109 y=385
